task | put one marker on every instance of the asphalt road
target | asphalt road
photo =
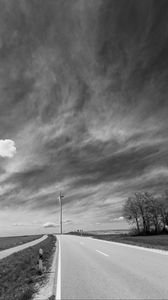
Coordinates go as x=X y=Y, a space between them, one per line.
x=94 y=269
x=10 y=251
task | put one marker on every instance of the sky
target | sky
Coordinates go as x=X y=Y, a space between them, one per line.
x=83 y=110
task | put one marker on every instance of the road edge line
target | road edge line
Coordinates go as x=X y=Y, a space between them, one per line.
x=58 y=286
x=157 y=251
x=54 y=268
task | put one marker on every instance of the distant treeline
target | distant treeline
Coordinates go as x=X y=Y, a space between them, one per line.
x=147 y=213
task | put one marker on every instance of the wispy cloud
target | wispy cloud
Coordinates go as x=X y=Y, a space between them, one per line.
x=49 y=224
x=86 y=109
x=119 y=219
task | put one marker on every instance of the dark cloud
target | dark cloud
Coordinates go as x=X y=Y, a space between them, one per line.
x=83 y=93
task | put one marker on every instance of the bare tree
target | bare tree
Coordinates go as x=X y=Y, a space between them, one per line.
x=147 y=212
x=153 y=211
x=131 y=213
x=164 y=209
x=142 y=206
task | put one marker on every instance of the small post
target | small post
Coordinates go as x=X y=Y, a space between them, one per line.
x=41 y=260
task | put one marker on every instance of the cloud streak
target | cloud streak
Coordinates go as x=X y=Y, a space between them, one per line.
x=84 y=97
x=49 y=225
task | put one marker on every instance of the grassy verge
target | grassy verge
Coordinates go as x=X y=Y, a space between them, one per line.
x=150 y=241
x=19 y=276
x=9 y=242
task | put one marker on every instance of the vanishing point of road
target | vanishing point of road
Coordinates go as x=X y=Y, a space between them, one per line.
x=94 y=269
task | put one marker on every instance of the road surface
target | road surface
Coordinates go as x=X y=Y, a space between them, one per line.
x=95 y=269
x=10 y=251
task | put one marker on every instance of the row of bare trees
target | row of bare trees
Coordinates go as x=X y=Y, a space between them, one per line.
x=147 y=213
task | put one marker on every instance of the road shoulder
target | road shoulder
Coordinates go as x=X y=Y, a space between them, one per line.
x=47 y=292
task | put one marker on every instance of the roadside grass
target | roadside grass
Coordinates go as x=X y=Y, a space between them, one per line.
x=13 y=241
x=149 y=241
x=19 y=275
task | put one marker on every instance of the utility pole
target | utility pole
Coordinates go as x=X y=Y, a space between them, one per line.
x=60 y=201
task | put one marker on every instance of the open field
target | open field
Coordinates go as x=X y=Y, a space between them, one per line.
x=9 y=242
x=149 y=241
x=19 y=276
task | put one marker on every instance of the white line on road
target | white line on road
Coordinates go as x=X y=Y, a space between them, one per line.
x=162 y=252
x=102 y=253
x=58 y=293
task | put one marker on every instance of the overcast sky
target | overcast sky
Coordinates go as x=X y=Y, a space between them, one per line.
x=83 y=109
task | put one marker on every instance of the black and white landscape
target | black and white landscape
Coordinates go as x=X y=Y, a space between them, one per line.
x=83 y=109
x=83 y=115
